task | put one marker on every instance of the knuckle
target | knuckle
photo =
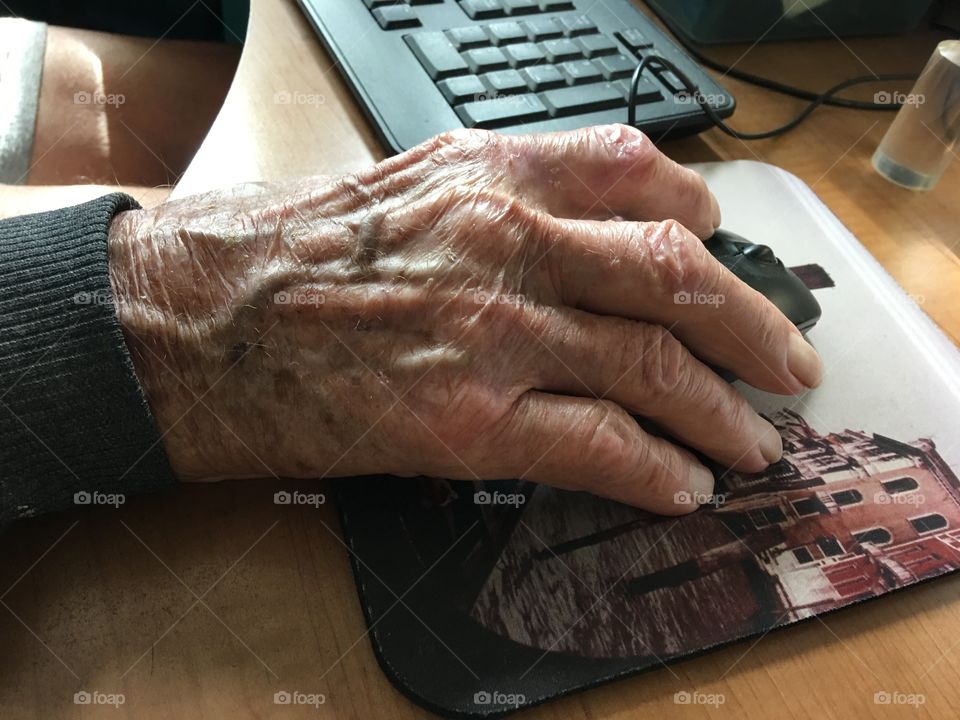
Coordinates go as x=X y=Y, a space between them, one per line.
x=660 y=474
x=464 y=143
x=623 y=141
x=354 y=189
x=664 y=365
x=727 y=409
x=677 y=260
x=609 y=443
x=627 y=134
x=499 y=208
x=503 y=223
x=623 y=465
x=621 y=351
x=635 y=150
x=507 y=316
x=459 y=413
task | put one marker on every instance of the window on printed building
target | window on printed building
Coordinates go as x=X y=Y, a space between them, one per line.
x=762 y=517
x=877 y=536
x=830 y=546
x=808 y=506
x=928 y=523
x=900 y=485
x=847 y=497
x=803 y=555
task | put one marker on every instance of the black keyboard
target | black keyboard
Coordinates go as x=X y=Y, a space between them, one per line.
x=420 y=67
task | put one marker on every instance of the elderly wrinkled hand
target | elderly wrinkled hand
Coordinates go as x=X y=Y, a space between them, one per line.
x=481 y=306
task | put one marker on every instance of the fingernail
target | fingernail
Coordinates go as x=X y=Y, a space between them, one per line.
x=715 y=211
x=768 y=439
x=804 y=362
x=701 y=483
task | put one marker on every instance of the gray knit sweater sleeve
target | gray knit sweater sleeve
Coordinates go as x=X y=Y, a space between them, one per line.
x=74 y=424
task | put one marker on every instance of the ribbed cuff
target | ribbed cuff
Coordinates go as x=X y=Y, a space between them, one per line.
x=74 y=422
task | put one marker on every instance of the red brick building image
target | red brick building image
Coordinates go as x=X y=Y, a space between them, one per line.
x=860 y=514
x=843 y=517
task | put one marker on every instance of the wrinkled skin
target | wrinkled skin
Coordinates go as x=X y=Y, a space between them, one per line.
x=481 y=306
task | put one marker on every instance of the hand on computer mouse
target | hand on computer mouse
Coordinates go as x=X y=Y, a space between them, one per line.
x=465 y=310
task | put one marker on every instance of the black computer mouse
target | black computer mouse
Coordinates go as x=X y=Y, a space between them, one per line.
x=759 y=268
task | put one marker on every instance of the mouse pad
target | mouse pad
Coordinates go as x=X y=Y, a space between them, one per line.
x=481 y=598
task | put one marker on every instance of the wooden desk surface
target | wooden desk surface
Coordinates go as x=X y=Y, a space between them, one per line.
x=205 y=602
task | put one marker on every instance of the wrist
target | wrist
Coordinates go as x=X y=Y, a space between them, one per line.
x=164 y=343
x=230 y=370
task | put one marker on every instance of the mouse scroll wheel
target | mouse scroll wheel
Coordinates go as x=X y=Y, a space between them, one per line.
x=760 y=253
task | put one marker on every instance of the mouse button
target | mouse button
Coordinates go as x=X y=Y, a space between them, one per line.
x=721 y=247
x=761 y=253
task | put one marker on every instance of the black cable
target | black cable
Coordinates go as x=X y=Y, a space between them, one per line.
x=660 y=63
x=774 y=85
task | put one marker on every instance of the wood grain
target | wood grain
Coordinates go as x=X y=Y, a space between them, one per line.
x=114 y=605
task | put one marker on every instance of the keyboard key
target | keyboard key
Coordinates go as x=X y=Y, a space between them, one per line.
x=465 y=38
x=578 y=25
x=437 y=55
x=371 y=4
x=555 y=5
x=543 y=28
x=579 y=72
x=394 y=17
x=520 y=7
x=505 y=82
x=523 y=54
x=459 y=89
x=501 y=33
x=543 y=77
x=673 y=83
x=562 y=49
x=482 y=9
x=485 y=59
x=647 y=92
x=583 y=99
x=423 y=2
x=616 y=67
x=597 y=46
x=634 y=39
x=501 y=111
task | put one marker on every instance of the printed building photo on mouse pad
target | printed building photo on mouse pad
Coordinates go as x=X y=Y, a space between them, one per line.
x=526 y=581
x=485 y=597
